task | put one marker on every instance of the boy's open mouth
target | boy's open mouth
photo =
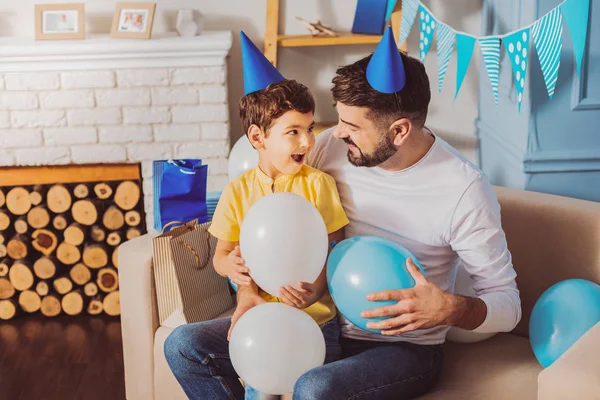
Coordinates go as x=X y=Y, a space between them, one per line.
x=299 y=158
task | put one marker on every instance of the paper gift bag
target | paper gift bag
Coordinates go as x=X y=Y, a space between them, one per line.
x=179 y=189
x=188 y=289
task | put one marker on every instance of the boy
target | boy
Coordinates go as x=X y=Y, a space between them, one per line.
x=277 y=115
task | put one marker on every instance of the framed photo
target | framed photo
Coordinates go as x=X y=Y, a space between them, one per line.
x=133 y=20
x=59 y=21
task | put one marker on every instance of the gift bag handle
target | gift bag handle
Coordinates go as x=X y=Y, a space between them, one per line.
x=173 y=223
x=195 y=253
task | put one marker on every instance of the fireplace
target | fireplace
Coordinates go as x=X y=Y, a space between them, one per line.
x=110 y=105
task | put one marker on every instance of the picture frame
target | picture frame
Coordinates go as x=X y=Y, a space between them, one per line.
x=59 y=21
x=133 y=20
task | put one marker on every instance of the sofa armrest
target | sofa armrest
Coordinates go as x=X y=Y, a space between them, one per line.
x=575 y=374
x=139 y=316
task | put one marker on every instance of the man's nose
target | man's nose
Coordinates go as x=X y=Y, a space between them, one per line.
x=339 y=133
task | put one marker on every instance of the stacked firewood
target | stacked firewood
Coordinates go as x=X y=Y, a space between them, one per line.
x=59 y=246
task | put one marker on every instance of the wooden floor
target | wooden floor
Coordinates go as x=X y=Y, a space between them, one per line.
x=64 y=358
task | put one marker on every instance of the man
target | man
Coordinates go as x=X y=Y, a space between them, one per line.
x=399 y=181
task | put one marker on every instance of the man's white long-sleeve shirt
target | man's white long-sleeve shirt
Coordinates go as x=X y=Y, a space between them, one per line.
x=441 y=209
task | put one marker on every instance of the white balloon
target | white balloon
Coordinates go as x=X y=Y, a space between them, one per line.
x=464 y=286
x=273 y=344
x=243 y=157
x=283 y=240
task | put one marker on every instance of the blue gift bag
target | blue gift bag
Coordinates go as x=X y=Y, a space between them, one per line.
x=179 y=191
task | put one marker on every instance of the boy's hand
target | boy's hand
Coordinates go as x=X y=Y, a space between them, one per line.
x=305 y=297
x=244 y=304
x=236 y=269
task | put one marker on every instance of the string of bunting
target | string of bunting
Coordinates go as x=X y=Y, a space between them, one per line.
x=545 y=33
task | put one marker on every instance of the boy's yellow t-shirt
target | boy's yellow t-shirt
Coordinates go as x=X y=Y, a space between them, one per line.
x=240 y=195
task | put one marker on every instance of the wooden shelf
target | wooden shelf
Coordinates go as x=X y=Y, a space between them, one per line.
x=342 y=39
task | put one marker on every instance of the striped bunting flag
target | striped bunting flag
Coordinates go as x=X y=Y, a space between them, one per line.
x=547 y=36
x=409 y=12
x=490 y=49
x=445 y=45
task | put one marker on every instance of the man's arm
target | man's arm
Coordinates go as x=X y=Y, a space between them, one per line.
x=477 y=237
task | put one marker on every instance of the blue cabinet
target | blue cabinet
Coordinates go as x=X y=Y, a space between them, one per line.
x=551 y=146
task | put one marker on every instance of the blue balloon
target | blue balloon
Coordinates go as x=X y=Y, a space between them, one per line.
x=233 y=285
x=362 y=265
x=562 y=314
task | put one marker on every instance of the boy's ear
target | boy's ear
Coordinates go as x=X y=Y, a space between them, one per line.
x=256 y=136
x=400 y=130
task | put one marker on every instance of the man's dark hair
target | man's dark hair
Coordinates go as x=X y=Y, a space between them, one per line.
x=350 y=87
x=263 y=107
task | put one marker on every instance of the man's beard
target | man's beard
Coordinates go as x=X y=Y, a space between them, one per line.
x=384 y=150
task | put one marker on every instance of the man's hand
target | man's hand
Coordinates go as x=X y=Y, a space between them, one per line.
x=244 y=304
x=305 y=297
x=423 y=306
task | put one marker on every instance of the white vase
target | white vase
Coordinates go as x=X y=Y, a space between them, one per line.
x=189 y=22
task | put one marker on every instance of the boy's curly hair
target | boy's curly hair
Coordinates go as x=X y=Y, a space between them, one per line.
x=263 y=107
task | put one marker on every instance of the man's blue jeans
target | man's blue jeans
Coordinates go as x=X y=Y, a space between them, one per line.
x=198 y=355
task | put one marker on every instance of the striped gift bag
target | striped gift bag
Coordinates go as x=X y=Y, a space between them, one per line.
x=188 y=289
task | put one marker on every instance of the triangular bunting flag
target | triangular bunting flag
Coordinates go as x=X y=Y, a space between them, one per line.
x=576 y=13
x=464 y=52
x=547 y=36
x=445 y=45
x=517 y=46
x=427 y=27
x=490 y=49
x=409 y=12
x=390 y=8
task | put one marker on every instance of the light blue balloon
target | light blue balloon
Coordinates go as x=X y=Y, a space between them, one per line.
x=562 y=314
x=362 y=265
x=233 y=285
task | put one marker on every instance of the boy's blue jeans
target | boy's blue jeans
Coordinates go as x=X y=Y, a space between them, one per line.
x=198 y=355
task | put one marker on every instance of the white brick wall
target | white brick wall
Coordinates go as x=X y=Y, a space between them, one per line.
x=117 y=116
x=126 y=134
x=144 y=77
x=98 y=154
x=177 y=133
x=213 y=94
x=67 y=99
x=69 y=136
x=16 y=138
x=94 y=116
x=4 y=119
x=37 y=119
x=123 y=97
x=146 y=115
x=171 y=96
x=87 y=79
x=32 y=81
x=18 y=101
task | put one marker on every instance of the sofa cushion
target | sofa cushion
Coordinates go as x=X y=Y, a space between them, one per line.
x=574 y=375
x=551 y=238
x=502 y=367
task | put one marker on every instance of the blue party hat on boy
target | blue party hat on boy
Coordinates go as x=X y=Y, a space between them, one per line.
x=258 y=71
x=385 y=72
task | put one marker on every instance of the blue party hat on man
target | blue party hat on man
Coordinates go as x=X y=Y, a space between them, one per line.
x=385 y=72
x=258 y=71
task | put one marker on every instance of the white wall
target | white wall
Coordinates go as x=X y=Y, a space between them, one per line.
x=313 y=66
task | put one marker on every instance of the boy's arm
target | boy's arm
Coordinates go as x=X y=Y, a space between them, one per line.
x=229 y=263
x=310 y=293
